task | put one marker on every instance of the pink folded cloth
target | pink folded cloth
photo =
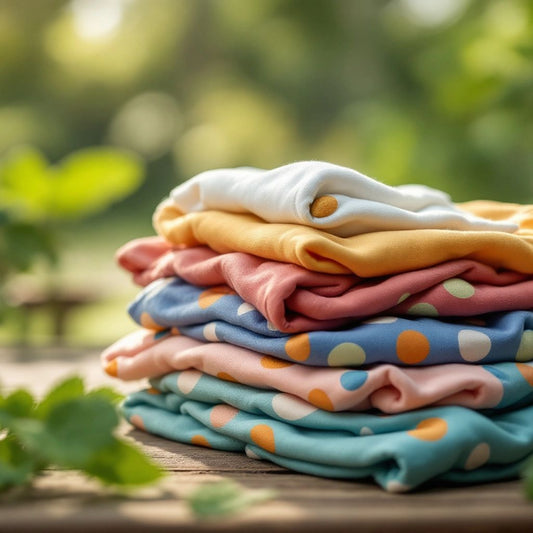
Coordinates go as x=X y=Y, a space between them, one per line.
x=294 y=299
x=386 y=387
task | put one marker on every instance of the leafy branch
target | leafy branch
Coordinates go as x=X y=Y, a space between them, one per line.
x=70 y=429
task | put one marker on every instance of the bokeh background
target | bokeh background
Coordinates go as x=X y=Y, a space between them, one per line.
x=105 y=105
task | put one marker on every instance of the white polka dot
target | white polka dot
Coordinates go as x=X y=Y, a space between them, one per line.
x=473 y=345
x=290 y=407
x=245 y=308
x=396 y=486
x=210 y=332
x=271 y=326
x=365 y=430
x=251 y=454
x=381 y=320
x=478 y=456
x=187 y=380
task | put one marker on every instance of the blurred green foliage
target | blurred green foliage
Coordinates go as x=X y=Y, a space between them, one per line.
x=35 y=197
x=406 y=91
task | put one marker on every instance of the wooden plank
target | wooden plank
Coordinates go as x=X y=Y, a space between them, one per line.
x=66 y=501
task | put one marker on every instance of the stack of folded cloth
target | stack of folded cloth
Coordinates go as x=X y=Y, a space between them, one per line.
x=322 y=320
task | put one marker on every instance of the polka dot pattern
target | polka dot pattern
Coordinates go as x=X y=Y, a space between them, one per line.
x=365 y=431
x=412 y=347
x=423 y=309
x=137 y=421
x=478 y=456
x=245 y=308
x=273 y=363
x=149 y=323
x=210 y=332
x=526 y=371
x=112 y=368
x=403 y=297
x=222 y=414
x=525 y=350
x=263 y=436
x=430 y=429
x=324 y=206
x=347 y=354
x=298 y=347
x=459 y=288
x=473 y=345
x=213 y=295
x=321 y=399
x=200 y=440
x=290 y=407
x=187 y=380
x=226 y=377
x=353 y=380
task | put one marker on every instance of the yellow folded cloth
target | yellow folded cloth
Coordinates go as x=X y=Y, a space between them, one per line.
x=371 y=254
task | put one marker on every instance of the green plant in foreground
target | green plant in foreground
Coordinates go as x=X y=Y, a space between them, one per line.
x=221 y=498
x=528 y=479
x=71 y=429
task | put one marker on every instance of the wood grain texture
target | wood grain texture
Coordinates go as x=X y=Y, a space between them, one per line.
x=67 y=501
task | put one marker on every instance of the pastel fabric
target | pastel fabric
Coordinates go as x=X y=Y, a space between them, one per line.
x=399 y=451
x=388 y=388
x=294 y=299
x=336 y=199
x=371 y=254
x=415 y=341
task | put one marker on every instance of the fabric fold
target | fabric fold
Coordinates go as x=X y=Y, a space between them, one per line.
x=294 y=299
x=336 y=199
x=388 y=388
x=370 y=254
x=173 y=305
x=400 y=452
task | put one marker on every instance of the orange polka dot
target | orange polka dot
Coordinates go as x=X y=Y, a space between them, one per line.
x=298 y=347
x=148 y=322
x=526 y=371
x=200 y=440
x=222 y=414
x=112 y=368
x=412 y=347
x=175 y=331
x=263 y=436
x=153 y=390
x=319 y=398
x=226 y=377
x=210 y=296
x=272 y=362
x=137 y=421
x=323 y=206
x=430 y=429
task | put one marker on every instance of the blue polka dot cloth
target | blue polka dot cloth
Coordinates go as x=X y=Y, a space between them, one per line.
x=172 y=305
x=400 y=452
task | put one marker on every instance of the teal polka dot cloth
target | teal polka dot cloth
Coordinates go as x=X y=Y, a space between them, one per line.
x=400 y=452
x=415 y=341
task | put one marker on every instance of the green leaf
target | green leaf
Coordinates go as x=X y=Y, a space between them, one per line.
x=24 y=182
x=21 y=243
x=120 y=463
x=78 y=428
x=16 y=465
x=107 y=393
x=224 y=498
x=90 y=180
x=68 y=389
x=18 y=404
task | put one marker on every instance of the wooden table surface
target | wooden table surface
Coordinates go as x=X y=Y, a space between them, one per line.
x=66 y=501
